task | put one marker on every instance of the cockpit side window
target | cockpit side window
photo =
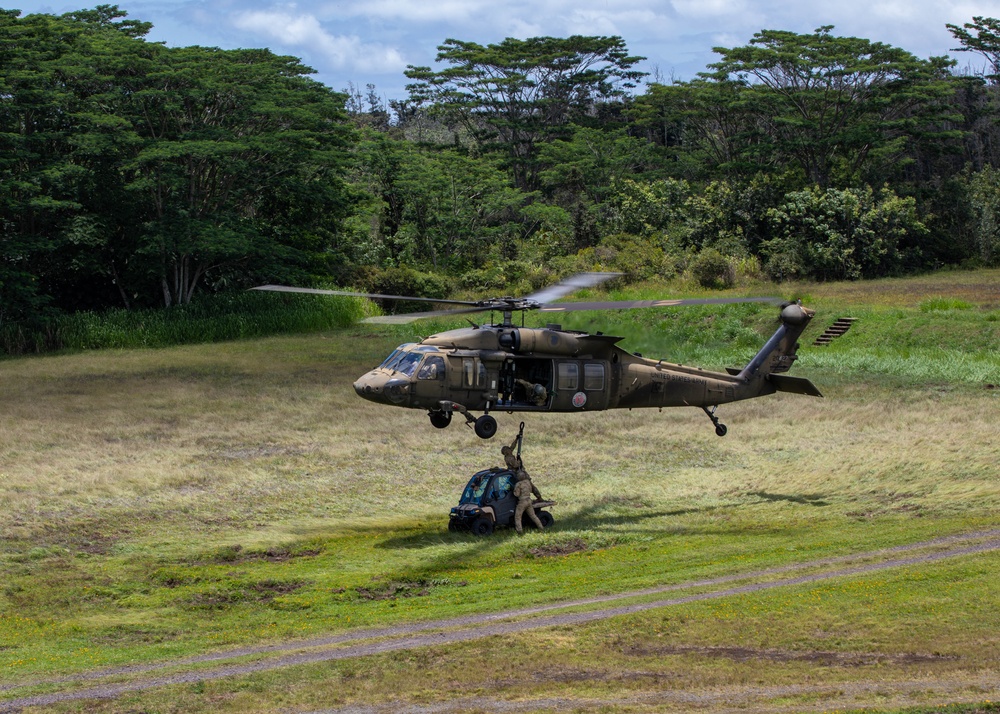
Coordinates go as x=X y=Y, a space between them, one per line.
x=432 y=368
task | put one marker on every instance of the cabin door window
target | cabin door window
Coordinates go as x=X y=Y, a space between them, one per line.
x=569 y=377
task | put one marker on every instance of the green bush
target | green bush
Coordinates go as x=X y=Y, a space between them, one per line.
x=637 y=258
x=713 y=270
x=984 y=202
x=833 y=234
x=645 y=207
x=401 y=281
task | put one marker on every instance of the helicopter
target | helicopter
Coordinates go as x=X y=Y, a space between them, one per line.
x=506 y=367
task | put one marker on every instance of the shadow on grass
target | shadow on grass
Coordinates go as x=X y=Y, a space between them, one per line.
x=588 y=519
x=805 y=499
x=597 y=518
x=605 y=520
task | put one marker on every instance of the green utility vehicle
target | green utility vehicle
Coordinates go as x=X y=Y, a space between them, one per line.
x=488 y=502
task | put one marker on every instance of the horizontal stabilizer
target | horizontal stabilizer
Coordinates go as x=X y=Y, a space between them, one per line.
x=794 y=385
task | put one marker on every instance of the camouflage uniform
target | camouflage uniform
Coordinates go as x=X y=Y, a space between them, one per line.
x=510 y=459
x=536 y=394
x=524 y=489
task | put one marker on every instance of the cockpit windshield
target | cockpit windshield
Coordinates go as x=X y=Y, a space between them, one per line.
x=474 y=491
x=407 y=364
x=394 y=357
x=405 y=358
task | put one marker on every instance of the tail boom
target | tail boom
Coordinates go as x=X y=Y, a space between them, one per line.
x=764 y=373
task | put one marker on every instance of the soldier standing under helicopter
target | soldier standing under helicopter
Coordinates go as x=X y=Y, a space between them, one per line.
x=523 y=490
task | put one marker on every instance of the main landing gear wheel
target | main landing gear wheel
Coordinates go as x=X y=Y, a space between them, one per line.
x=486 y=427
x=440 y=419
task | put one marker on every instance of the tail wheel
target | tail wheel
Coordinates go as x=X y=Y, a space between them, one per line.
x=482 y=526
x=486 y=427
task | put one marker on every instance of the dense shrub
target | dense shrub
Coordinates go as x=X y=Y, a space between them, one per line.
x=645 y=207
x=401 y=281
x=713 y=270
x=635 y=257
x=730 y=216
x=984 y=202
x=833 y=234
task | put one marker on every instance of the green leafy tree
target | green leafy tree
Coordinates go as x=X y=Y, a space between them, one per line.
x=838 y=108
x=231 y=142
x=979 y=100
x=129 y=167
x=709 y=128
x=645 y=208
x=731 y=215
x=457 y=207
x=589 y=161
x=518 y=93
x=440 y=209
x=61 y=80
x=981 y=36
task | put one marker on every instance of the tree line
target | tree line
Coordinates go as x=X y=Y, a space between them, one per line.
x=133 y=175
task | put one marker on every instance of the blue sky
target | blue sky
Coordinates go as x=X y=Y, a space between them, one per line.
x=362 y=41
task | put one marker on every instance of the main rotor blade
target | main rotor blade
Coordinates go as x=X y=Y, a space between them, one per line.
x=406 y=317
x=570 y=285
x=403 y=298
x=630 y=304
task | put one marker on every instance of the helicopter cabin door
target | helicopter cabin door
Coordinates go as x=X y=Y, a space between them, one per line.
x=525 y=383
x=431 y=385
x=581 y=385
x=468 y=383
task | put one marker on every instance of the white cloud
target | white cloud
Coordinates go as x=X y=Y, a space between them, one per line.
x=446 y=12
x=702 y=9
x=302 y=30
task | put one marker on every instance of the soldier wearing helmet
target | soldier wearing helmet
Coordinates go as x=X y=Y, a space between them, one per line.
x=534 y=393
x=523 y=490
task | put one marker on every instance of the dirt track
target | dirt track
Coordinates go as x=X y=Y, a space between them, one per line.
x=114 y=682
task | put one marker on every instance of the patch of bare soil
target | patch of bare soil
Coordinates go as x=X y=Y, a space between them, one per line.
x=236 y=554
x=260 y=592
x=394 y=590
x=547 y=551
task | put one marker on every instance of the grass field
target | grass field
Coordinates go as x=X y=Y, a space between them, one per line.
x=162 y=504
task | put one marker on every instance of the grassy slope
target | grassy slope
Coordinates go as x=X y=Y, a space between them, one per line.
x=168 y=502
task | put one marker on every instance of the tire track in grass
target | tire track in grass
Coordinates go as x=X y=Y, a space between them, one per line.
x=462 y=629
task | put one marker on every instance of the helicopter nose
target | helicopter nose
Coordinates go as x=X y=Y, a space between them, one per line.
x=377 y=387
x=369 y=387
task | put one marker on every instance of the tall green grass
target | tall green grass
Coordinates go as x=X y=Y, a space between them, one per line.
x=231 y=316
